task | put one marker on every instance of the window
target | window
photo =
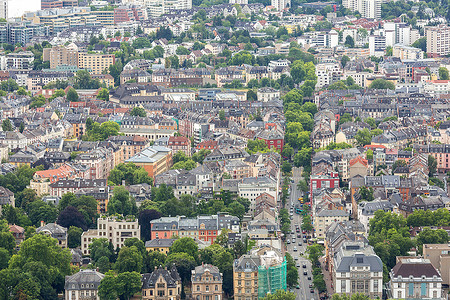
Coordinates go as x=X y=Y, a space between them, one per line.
x=375 y=286
x=423 y=289
x=343 y=287
x=207 y=288
x=160 y=293
x=198 y=288
x=411 y=289
x=216 y=287
x=170 y=292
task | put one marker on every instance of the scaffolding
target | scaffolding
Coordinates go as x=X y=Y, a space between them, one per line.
x=271 y=279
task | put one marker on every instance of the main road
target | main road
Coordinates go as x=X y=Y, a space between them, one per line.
x=297 y=246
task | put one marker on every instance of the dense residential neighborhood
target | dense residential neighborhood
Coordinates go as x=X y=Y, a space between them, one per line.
x=211 y=150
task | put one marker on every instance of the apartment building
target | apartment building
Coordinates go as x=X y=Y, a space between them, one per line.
x=96 y=63
x=161 y=284
x=129 y=146
x=205 y=228
x=325 y=218
x=438 y=40
x=60 y=55
x=156 y=8
x=245 y=277
x=370 y=9
x=42 y=179
x=116 y=229
x=37 y=79
x=253 y=187
x=180 y=143
x=358 y=270
x=155 y=160
x=415 y=278
x=61 y=187
x=281 y=4
x=20 y=60
x=404 y=52
x=439 y=256
x=206 y=283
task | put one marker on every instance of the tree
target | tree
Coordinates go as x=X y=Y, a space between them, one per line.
x=72 y=95
x=122 y=286
x=382 y=84
x=286 y=167
x=101 y=247
x=421 y=44
x=280 y=295
x=314 y=251
x=4 y=258
x=287 y=151
x=103 y=264
x=222 y=115
x=7 y=240
x=103 y=94
x=344 y=60
x=366 y=193
x=86 y=205
x=153 y=260
x=349 y=42
x=138 y=111
x=186 y=165
x=182 y=51
x=40 y=255
x=363 y=137
x=6 y=125
x=70 y=216
x=74 y=236
x=121 y=203
x=431 y=236
x=40 y=211
x=184 y=264
x=83 y=80
x=129 y=260
x=144 y=218
x=185 y=245
x=432 y=165
x=130 y=173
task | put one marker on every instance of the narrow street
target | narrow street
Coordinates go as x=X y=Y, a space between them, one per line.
x=297 y=246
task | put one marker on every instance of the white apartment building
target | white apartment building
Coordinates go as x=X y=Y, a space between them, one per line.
x=4 y=9
x=438 y=40
x=405 y=52
x=397 y=33
x=358 y=77
x=267 y=94
x=357 y=269
x=370 y=9
x=156 y=8
x=281 y=4
x=277 y=63
x=415 y=278
x=116 y=229
x=239 y=2
x=253 y=187
x=20 y=60
x=377 y=45
x=327 y=73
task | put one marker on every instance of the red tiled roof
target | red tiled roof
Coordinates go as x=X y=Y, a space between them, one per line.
x=360 y=160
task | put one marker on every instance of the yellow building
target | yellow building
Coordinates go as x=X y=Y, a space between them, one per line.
x=161 y=284
x=245 y=277
x=97 y=63
x=105 y=17
x=159 y=245
x=106 y=79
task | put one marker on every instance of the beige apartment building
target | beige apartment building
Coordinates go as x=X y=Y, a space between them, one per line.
x=206 y=283
x=245 y=277
x=58 y=56
x=439 y=256
x=116 y=229
x=438 y=40
x=96 y=63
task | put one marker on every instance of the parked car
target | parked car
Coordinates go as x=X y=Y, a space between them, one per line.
x=295 y=248
x=304 y=266
x=305 y=273
x=309 y=277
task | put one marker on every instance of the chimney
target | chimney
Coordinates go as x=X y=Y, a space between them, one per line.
x=42 y=223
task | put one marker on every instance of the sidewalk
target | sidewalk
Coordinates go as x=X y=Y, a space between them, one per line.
x=326 y=277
